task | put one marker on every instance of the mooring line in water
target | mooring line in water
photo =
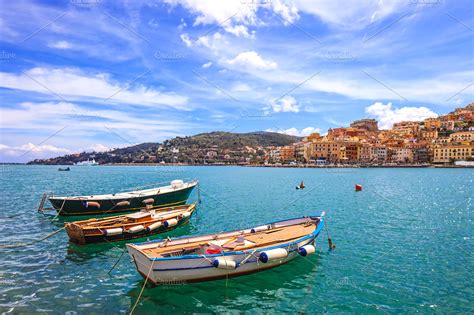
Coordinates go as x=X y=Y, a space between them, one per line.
x=33 y=242
x=121 y=255
x=143 y=288
x=330 y=244
x=14 y=215
x=199 y=192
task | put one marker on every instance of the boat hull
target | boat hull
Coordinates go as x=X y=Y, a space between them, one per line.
x=78 y=206
x=177 y=271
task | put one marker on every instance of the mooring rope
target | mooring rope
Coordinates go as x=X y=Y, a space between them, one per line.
x=14 y=215
x=199 y=192
x=330 y=244
x=143 y=288
x=33 y=242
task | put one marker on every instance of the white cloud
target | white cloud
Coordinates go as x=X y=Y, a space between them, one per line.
x=99 y=148
x=207 y=65
x=78 y=128
x=286 y=10
x=285 y=104
x=235 y=15
x=356 y=14
x=185 y=38
x=387 y=115
x=62 y=44
x=295 y=132
x=238 y=30
x=75 y=84
x=32 y=150
x=252 y=60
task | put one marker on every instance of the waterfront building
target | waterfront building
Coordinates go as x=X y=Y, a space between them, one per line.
x=302 y=151
x=287 y=153
x=402 y=155
x=449 y=153
x=366 y=152
x=326 y=150
x=421 y=155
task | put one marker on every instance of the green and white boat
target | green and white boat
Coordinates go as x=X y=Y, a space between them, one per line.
x=175 y=194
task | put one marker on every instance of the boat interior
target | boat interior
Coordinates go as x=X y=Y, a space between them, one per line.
x=145 y=216
x=250 y=239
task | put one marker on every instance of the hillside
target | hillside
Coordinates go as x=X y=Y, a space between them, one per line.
x=213 y=147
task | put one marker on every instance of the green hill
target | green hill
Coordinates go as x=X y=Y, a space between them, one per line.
x=212 y=147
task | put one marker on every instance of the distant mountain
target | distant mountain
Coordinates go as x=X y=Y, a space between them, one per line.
x=212 y=147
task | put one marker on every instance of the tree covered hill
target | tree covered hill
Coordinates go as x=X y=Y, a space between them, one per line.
x=209 y=147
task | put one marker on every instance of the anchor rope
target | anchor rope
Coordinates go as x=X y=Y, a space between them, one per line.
x=33 y=242
x=143 y=288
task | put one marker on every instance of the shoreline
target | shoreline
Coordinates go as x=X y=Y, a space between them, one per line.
x=270 y=165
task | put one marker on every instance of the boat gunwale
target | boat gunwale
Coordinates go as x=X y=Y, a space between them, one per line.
x=126 y=195
x=314 y=234
x=80 y=224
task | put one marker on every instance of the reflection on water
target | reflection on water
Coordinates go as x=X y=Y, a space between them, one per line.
x=404 y=243
x=236 y=294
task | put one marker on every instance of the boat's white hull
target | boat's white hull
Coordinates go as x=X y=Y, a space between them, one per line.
x=178 y=270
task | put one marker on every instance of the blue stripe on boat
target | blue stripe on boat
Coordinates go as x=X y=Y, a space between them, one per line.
x=211 y=266
x=314 y=234
x=186 y=236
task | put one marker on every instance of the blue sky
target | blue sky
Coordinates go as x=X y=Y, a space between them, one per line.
x=96 y=74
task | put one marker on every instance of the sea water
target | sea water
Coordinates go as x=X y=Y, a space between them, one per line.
x=403 y=244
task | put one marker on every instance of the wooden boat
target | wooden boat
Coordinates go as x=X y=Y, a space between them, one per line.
x=129 y=226
x=177 y=193
x=65 y=169
x=227 y=254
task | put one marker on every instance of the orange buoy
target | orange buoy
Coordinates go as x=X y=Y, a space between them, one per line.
x=148 y=201
x=123 y=203
x=92 y=204
x=358 y=187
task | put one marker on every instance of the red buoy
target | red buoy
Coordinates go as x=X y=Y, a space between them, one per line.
x=358 y=187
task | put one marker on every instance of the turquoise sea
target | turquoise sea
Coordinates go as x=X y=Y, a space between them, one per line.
x=405 y=244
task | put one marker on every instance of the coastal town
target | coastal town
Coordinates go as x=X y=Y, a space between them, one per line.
x=447 y=140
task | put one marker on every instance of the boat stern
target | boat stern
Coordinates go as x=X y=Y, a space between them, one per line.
x=75 y=233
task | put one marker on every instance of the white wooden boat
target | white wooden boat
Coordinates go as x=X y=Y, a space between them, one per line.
x=227 y=254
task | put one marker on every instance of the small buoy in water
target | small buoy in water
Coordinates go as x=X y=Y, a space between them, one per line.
x=358 y=187
x=302 y=186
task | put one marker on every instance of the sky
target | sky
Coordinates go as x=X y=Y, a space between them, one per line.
x=85 y=75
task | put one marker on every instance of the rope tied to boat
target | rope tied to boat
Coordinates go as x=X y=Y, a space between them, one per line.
x=33 y=242
x=244 y=261
x=143 y=287
x=199 y=192
x=330 y=243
